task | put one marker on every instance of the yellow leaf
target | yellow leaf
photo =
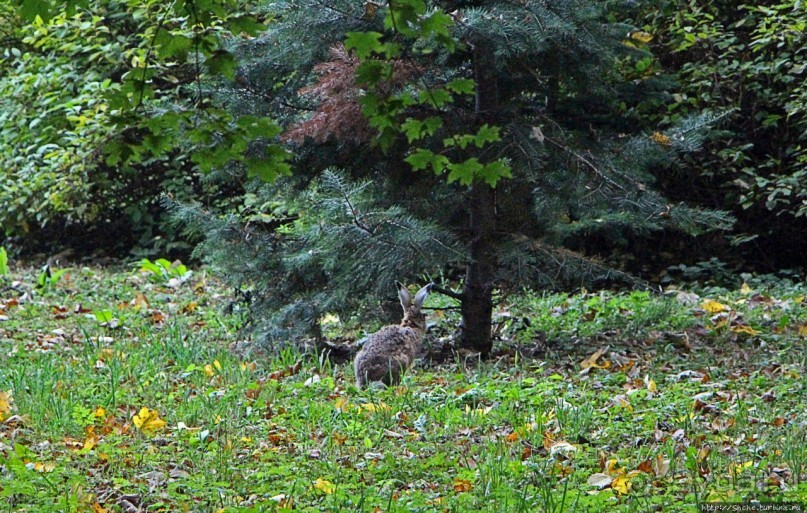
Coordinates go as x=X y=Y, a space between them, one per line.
x=376 y=407
x=745 y=289
x=803 y=331
x=477 y=411
x=90 y=443
x=737 y=468
x=209 y=372
x=44 y=468
x=216 y=364
x=744 y=328
x=621 y=485
x=324 y=486
x=641 y=36
x=341 y=403
x=712 y=306
x=148 y=421
x=6 y=400
x=651 y=385
x=661 y=139
x=97 y=508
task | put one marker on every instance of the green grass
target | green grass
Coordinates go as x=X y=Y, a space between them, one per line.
x=685 y=406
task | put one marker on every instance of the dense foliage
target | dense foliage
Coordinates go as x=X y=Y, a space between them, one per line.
x=106 y=107
x=749 y=59
x=519 y=123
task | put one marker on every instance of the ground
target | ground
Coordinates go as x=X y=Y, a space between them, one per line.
x=119 y=392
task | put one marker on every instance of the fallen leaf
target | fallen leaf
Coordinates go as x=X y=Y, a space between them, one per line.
x=324 y=486
x=744 y=329
x=713 y=307
x=139 y=302
x=44 y=468
x=6 y=400
x=148 y=421
x=561 y=446
x=599 y=480
x=462 y=485
x=591 y=361
x=661 y=466
x=621 y=485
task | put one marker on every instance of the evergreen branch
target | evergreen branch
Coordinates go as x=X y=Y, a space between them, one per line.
x=585 y=161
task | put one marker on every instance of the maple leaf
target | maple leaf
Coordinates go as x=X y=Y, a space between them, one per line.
x=324 y=486
x=148 y=421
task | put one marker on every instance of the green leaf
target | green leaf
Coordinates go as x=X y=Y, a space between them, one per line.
x=172 y=45
x=464 y=171
x=486 y=134
x=245 y=24
x=461 y=86
x=438 y=24
x=495 y=171
x=416 y=129
x=222 y=63
x=258 y=126
x=269 y=168
x=372 y=72
x=364 y=44
x=30 y=9
x=422 y=159
x=103 y=316
x=4 y=270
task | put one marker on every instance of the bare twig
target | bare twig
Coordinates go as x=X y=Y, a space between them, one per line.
x=447 y=292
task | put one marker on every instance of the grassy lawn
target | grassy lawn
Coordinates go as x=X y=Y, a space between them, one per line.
x=118 y=392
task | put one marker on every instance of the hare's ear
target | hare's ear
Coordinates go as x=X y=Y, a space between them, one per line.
x=420 y=297
x=404 y=296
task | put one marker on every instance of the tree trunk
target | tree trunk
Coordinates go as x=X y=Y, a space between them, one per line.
x=477 y=296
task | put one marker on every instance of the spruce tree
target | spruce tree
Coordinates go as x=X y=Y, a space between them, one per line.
x=472 y=142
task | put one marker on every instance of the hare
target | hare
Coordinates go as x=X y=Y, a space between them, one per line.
x=390 y=351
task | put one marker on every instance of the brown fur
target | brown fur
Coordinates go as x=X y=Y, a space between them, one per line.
x=388 y=353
